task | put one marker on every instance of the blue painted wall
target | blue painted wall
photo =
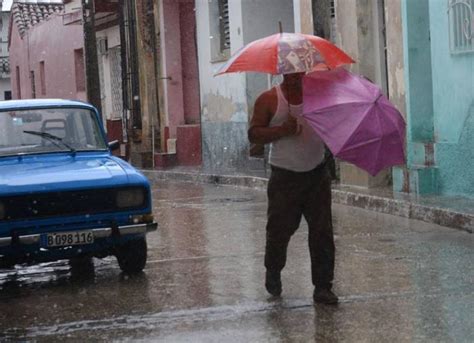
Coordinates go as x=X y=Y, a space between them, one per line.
x=418 y=70
x=453 y=107
x=440 y=104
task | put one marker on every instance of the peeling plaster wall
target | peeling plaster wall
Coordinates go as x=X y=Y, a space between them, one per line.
x=395 y=65
x=223 y=98
x=227 y=100
x=396 y=72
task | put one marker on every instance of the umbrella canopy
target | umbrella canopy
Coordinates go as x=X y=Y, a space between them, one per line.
x=286 y=53
x=355 y=120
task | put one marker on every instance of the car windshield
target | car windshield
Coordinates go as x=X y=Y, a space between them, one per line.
x=49 y=130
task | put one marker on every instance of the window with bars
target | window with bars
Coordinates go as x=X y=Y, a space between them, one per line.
x=461 y=25
x=220 y=30
x=224 y=29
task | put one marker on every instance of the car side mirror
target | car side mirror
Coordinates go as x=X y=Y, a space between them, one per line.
x=114 y=145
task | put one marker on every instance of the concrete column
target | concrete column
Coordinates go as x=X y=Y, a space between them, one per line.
x=303 y=16
x=143 y=153
x=395 y=63
x=359 y=32
x=421 y=175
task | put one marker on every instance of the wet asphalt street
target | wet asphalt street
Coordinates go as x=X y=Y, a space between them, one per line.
x=398 y=281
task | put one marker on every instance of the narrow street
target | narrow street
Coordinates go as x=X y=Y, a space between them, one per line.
x=398 y=281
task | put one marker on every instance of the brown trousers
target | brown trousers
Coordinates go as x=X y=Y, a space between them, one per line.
x=292 y=195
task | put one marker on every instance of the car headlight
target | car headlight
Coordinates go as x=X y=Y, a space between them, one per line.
x=2 y=211
x=132 y=197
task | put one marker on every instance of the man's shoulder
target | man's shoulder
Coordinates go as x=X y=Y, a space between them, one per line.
x=268 y=95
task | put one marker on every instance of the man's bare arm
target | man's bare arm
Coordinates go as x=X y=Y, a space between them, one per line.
x=259 y=131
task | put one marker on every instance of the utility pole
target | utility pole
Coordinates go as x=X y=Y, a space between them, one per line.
x=90 y=54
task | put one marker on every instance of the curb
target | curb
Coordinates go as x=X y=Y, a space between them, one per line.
x=401 y=208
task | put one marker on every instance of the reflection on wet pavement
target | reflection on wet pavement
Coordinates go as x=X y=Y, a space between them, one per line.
x=398 y=280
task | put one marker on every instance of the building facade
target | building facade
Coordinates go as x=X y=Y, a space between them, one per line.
x=227 y=100
x=46 y=56
x=156 y=62
x=5 y=86
x=421 y=53
x=438 y=38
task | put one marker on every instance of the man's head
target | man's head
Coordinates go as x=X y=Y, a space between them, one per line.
x=293 y=80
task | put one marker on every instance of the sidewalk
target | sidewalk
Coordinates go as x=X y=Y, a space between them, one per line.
x=453 y=212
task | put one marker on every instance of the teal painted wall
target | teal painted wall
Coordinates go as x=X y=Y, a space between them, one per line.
x=440 y=104
x=415 y=14
x=453 y=107
x=452 y=78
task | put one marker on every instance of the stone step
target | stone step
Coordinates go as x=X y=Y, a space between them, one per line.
x=418 y=179
x=165 y=160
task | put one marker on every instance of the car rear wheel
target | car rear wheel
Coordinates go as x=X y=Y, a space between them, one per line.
x=132 y=255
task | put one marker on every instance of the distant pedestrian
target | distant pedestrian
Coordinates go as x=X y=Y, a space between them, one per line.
x=300 y=185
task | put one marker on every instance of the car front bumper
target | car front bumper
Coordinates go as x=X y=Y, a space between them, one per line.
x=98 y=233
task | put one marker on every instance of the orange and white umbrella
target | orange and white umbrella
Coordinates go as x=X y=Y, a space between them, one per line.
x=286 y=53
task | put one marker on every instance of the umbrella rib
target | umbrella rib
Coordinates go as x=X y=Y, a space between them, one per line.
x=336 y=106
x=363 y=117
x=357 y=146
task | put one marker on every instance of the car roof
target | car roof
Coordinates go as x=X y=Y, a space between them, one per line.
x=41 y=103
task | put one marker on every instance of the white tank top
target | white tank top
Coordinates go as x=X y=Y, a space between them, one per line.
x=299 y=153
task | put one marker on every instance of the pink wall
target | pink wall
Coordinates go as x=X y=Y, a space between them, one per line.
x=189 y=63
x=181 y=63
x=172 y=51
x=53 y=43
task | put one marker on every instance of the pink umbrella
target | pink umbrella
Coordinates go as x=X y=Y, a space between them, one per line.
x=354 y=119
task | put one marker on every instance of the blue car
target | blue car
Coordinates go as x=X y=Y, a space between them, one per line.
x=62 y=193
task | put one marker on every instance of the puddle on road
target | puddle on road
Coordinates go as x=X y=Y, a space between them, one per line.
x=44 y=275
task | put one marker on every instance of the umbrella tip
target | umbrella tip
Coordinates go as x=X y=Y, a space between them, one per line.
x=280 y=27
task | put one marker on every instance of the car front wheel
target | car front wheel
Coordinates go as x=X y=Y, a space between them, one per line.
x=6 y=263
x=132 y=255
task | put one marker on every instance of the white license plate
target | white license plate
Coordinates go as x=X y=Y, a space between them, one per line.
x=61 y=239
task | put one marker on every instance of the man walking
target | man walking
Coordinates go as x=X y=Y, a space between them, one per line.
x=300 y=185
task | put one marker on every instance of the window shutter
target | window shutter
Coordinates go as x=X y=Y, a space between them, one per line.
x=224 y=24
x=461 y=25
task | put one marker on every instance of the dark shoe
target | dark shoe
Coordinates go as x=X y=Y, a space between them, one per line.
x=273 y=283
x=325 y=296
